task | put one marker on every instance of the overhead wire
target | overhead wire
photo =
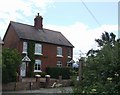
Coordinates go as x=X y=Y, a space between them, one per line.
x=91 y=13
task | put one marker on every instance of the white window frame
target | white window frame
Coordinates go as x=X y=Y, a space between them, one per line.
x=38 y=64
x=25 y=45
x=69 y=53
x=59 y=52
x=59 y=63
x=38 y=49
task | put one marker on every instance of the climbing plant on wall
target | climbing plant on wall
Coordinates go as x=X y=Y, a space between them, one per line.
x=31 y=50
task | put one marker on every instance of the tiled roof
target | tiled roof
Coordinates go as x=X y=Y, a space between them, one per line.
x=29 y=32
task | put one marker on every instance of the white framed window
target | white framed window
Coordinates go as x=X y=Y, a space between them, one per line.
x=59 y=64
x=37 y=66
x=38 y=49
x=24 y=47
x=69 y=53
x=59 y=52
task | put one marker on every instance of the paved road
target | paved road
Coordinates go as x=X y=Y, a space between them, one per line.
x=41 y=91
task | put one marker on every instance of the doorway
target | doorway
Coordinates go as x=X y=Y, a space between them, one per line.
x=23 y=69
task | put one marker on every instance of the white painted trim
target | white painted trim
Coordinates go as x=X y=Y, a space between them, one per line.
x=59 y=56
x=69 y=56
x=37 y=71
x=24 y=52
x=38 y=53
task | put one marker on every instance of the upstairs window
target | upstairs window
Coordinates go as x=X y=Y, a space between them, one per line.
x=37 y=66
x=69 y=53
x=59 y=51
x=24 y=47
x=38 y=49
x=59 y=64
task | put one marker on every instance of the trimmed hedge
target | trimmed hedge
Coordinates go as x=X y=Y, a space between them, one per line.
x=55 y=72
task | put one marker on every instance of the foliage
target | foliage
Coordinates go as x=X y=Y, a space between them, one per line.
x=101 y=74
x=0 y=56
x=0 y=62
x=55 y=72
x=31 y=50
x=11 y=61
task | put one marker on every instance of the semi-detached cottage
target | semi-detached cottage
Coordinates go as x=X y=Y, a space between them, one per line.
x=51 y=48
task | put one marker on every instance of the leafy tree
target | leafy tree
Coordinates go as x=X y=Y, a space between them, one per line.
x=101 y=74
x=106 y=39
x=11 y=60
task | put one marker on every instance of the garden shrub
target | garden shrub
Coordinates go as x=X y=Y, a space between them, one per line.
x=55 y=72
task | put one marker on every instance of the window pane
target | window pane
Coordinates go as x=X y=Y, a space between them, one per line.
x=38 y=48
x=38 y=67
x=59 y=63
x=24 y=47
x=69 y=52
x=59 y=51
x=37 y=64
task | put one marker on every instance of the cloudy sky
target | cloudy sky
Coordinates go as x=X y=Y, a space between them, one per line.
x=80 y=21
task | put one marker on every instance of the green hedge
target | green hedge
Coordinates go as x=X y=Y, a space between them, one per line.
x=55 y=72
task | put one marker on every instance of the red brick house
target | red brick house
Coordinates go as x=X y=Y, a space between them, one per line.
x=50 y=47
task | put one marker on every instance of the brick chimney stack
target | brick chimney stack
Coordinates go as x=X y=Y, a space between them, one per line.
x=38 y=22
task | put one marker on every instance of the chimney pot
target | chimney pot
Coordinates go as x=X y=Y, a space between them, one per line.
x=38 y=22
x=38 y=14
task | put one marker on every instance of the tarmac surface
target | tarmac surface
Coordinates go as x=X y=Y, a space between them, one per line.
x=41 y=91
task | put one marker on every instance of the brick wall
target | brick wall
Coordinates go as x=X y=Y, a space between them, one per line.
x=17 y=86
x=11 y=39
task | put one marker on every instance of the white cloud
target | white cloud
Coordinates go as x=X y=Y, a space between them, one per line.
x=25 y=6
x=86 y=0
x=15 y=10
x=81 y=36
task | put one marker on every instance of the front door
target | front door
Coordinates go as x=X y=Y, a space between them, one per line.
x=23 y=69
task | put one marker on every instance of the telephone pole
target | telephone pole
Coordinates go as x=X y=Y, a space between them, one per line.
x=80 y=69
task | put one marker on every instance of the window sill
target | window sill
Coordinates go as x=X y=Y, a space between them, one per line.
x=59 y=56
x=24 y=52
x=37 y=71
x=69 y=56
x=38 y=53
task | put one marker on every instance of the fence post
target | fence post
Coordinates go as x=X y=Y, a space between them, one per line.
x=47 y=80
x=60 y=78
x=37 y=78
